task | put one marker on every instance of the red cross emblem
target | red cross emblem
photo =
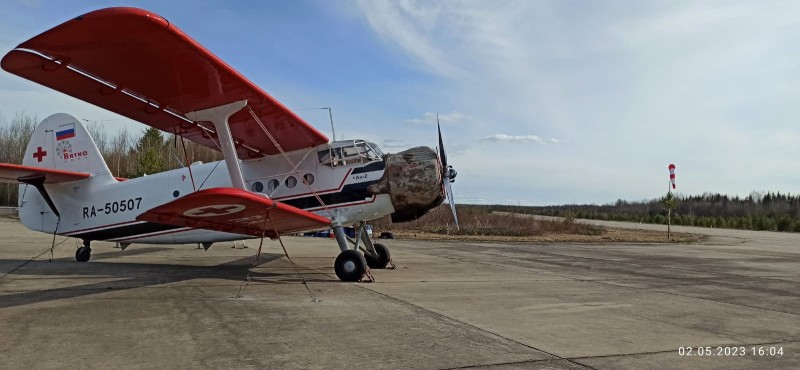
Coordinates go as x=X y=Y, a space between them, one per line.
x=39 y=154
x=215 y=210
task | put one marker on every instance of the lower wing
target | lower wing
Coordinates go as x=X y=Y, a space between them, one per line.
x=234 y=211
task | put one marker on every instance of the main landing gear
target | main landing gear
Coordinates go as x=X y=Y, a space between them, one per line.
x=83 y=254
x=351 y=265
x=381 y=257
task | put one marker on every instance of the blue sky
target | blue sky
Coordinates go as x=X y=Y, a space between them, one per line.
x=542 y=102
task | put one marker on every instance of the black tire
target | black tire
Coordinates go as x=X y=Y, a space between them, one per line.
x=383 y=257
x=83 y=254
x=350 y=266
x=386 y=235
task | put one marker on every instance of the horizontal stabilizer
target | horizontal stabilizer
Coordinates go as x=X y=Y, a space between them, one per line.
x=234 y=211
x=12 y=173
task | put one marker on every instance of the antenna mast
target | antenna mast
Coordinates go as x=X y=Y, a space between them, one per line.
x=330 y=115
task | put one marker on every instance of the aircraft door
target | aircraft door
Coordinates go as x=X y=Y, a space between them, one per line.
x=324 y=170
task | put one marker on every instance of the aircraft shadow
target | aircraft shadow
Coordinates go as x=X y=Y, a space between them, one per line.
x=129 y=275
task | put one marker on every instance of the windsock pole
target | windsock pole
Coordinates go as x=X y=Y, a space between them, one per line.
x=669 y=190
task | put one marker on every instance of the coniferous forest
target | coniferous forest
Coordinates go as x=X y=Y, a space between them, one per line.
x=772 y=211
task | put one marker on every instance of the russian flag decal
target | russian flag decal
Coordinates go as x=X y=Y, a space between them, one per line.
x=65 y=131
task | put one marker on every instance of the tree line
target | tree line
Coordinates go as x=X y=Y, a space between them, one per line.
x=131 y=154
x=127 y=154
x=772 y=211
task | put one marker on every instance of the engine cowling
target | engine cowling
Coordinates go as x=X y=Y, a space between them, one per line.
x=413 y=180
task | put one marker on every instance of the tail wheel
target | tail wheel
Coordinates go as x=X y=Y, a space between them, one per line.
x=350 y=266
x=383 y=257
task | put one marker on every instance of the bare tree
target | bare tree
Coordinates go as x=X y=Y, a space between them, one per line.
x=14 y=138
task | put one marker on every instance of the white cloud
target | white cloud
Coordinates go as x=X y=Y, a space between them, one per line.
x=710 y=85
x=429 y=118
x=691 y=82
x=498 y=138
x=409 y=25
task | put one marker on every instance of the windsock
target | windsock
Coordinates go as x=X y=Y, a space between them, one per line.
x=672 y=174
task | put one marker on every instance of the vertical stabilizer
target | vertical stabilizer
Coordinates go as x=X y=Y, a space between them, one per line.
x=59 y=142
x=62 y=142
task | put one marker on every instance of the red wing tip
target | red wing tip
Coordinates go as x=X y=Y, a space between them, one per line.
x=120 y=19
x=122 y=10
x=100 y=15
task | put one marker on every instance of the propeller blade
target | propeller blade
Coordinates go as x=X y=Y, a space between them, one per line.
x=452 y=203
x=446 y=172
x=442 y=155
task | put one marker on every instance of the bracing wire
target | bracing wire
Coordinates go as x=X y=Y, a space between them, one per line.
x=188 y=164
x=243 y=286
x=190 y=167
x=172 y=150
x=294 y=166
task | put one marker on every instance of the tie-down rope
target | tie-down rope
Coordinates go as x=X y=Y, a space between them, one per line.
x=246 y=282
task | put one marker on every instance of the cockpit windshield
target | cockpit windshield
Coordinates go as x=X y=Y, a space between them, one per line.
x=345 y=152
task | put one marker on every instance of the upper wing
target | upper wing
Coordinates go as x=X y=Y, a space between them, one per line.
x=135 y=63
x=234 y=211
x=12 y=173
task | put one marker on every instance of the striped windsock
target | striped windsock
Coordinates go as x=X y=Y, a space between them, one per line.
x=672 y=174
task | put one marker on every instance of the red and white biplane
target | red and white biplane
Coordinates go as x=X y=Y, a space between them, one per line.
x=280 y=175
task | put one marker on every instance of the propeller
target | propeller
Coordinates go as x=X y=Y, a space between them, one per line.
x=448 y=174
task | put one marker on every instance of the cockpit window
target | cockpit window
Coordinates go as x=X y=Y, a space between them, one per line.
x=372 y=150
x=350 y=151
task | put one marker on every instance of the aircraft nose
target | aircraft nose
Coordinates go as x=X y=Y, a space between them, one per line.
x=413 y=180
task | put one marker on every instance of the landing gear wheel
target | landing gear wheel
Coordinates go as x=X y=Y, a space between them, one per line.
x=350 y=266
x=83 y=254
x=382 y=260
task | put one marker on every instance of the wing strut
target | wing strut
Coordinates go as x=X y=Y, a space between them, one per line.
x=219 y=117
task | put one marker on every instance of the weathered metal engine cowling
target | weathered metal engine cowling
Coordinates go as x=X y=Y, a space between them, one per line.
x=413 y=180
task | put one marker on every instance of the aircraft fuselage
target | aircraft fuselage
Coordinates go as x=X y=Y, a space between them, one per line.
x=102 y=208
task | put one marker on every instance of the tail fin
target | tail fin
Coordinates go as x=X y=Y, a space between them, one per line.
x=62 y=142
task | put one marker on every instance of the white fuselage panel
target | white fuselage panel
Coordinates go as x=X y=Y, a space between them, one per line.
x=101 y=208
